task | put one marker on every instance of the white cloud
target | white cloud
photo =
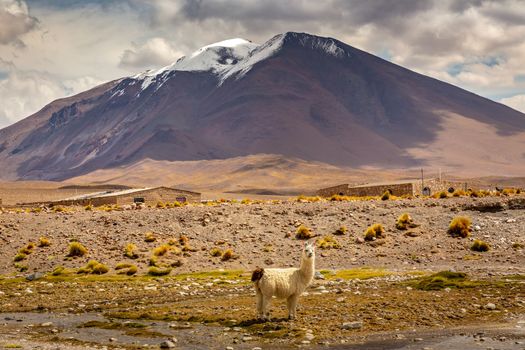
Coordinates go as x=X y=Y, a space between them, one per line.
x=517 y=102
x=153 y=53
x=14 y=21
x=25 y=92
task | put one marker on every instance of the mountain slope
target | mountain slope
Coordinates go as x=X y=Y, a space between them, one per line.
x=297 y=95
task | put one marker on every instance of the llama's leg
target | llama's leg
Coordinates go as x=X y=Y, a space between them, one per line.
x=291 y=302
x=259 y=298
x=266 y=307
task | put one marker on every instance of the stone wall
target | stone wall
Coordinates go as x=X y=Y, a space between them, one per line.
x=397 y=189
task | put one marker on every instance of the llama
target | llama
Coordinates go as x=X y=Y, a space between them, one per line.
x=287 y=283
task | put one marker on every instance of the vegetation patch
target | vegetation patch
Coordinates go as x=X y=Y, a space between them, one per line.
x=130 y=251
x=93 y=267
x=215 y=252
x=328 y=242
x=480 y=246
x=303 y=232
x=404 y=222
x=76 y=249
x=149 y=237
x=363 y=273
x=155 y=271
x=341 y=231
x=460 y=226
x=44 y=242
x=374 y=232
x=444 y=279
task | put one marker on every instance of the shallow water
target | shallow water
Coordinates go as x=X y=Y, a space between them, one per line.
x=198 y=336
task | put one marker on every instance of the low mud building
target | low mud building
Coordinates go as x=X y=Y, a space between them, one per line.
x=148 y=196
x=397 y=188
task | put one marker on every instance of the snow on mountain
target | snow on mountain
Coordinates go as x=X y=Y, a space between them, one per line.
x=235 y=57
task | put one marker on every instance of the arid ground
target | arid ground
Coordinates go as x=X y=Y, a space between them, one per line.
x=378 y=294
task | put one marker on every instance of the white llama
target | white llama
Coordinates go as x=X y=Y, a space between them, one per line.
x=288 y=283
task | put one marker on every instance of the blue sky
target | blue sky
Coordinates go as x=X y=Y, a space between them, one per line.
x=53 y=48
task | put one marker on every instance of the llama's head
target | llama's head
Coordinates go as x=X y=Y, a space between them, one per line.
x=309 y=250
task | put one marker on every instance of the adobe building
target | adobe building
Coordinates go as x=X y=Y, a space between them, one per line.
x=398 y=188
x=148 y=196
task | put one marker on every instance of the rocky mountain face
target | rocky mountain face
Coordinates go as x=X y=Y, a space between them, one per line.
x=297 y=95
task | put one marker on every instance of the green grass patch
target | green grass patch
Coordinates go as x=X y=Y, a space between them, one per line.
x=363 y=273
x=444 y=279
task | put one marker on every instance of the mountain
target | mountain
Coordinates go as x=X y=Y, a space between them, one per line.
x=297 y=95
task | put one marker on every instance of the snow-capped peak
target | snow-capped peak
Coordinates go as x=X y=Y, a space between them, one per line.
x=235 y=57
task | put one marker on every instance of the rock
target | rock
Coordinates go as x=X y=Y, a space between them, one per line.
x=509 y=221
x=229 y=348
x=246 y=338
x=46 y=324
x=318 y=275
x=360 y=240
x=305 y=342
x=352 y=325
x=34 y=276
x=112 y=339
x=167 y=345
x=477 y=228
x=309 y=336
x=490 y=306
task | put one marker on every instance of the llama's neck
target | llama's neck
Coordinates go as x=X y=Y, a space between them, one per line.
x=307 y=267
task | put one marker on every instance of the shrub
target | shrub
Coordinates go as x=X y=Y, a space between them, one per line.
x=475 y=194
x=161 y=204
x=176 y=263
x=20 y=257
x=459 y=193
x=132 y=270
x=517 y=245
x=28 y=249
x=183 y=240
x=129 y=251
x=155 y=271
x=227 y=255
x=59 y=270
x=177 y=204
x=123 y=265
x=43 y=242
x=480 y=246
x=215 y=252
x=373 y=232
x=303 y=232
x=404 y=221
x=76 y=249
x=93 y=267
x=58 y=209
x=88 y=207
x=518 y=191
x=328 y=242
x=340 y=231
x=162 y=250
x=153 y=261
x=149 y=237
x=460 y=226
x=386 y=196
x=246 y=201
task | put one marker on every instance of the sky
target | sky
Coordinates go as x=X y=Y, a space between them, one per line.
x=55 y=48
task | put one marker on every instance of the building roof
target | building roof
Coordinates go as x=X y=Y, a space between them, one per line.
x=387 y=183
x=106 y=194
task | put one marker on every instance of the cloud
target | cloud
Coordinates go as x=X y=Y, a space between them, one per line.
x=15 y=21
x=153 y=53
x=517 y=102
x=25 y=92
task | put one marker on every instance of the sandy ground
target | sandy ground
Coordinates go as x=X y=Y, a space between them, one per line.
x=264 y=235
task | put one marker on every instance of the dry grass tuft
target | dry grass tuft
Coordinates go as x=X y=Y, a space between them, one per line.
x=161 y=250
x=386 y=196
x=404 y=222
x=149 y=237
x=76 y=249
x=328 y=242
x=93 y=267
x=228 y=255
x=130 y=251
x=215 y=252
x=303 y=232
x=44 y=242
x=460 y=226
x=340 y=231
x=480 y=246
x=155 y=271
x=373 y=232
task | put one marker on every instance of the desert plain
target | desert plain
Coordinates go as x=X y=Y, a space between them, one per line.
x=179 y=277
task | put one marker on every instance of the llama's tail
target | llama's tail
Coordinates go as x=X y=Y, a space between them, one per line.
x=257 y=274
